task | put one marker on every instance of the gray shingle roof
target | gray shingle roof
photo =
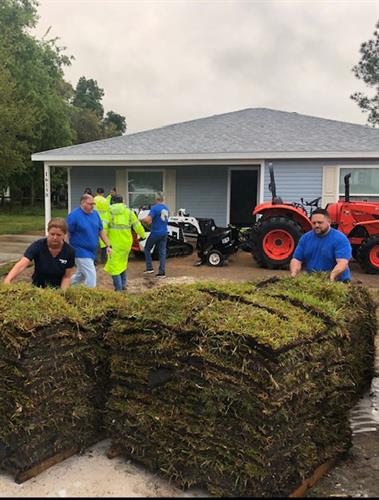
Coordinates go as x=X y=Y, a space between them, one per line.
x=249 y=131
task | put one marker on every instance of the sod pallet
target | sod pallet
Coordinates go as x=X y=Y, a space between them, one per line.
x=54 y=375
x=243 y=389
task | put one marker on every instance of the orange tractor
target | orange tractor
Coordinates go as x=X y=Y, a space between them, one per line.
x=279 y=227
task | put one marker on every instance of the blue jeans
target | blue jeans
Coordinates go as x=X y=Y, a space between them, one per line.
x=85 y=271
x=161 y=242
x=120 y=280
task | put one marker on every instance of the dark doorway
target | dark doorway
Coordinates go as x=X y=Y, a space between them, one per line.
x=243 y=196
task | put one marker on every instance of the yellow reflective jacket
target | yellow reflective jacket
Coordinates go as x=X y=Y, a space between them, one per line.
x=102 y=208
x=120 y=224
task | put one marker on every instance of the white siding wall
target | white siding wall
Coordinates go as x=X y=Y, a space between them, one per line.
x=295 y=179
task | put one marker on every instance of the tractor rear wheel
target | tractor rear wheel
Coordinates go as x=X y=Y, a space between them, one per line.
x=368 y=255
x=276 y=241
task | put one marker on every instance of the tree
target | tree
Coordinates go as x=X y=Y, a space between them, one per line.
x=36 y=68
x=86 y=114
x=39 y=110
x=114 y=121
x=367 y=70
x=88 y=95
x=16 y=129
x=86 y=125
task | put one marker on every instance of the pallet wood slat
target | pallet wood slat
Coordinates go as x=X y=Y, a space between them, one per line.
x=313 y=479
x=21 y=477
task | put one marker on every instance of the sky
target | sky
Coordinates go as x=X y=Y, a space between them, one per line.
x=167 y=61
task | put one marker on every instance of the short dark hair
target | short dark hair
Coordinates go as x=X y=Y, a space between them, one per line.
x=100 y=190
x=117 y=199
x=321 y=211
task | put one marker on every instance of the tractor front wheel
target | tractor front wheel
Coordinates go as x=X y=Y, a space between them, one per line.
x=276 y=242
x=368 y=255
x=215 y=258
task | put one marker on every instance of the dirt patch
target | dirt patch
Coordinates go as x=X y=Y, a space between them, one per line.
x=241 y=267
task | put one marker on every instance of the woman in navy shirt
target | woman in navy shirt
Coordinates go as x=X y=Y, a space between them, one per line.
x=54 y=259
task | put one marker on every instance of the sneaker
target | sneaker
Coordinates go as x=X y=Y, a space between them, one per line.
x=148 y=271
x=160 y=275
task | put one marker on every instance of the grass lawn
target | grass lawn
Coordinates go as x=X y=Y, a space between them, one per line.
x=26 y=220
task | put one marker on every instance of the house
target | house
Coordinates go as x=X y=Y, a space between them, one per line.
x=217 y=167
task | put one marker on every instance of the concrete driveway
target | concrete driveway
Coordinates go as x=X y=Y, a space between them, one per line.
x=12 y=246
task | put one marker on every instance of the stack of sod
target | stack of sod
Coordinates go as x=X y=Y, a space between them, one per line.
x=96 y=310
x=240 y=388
x=51 y=378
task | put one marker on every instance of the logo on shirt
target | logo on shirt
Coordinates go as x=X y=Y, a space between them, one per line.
x=63 y=261
x=164 y=215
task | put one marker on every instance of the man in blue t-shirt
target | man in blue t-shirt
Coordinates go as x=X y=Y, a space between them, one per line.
x=85 y=228
x=323 y=249
x=158 y=218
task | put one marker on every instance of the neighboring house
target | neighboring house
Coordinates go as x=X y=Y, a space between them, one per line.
x=218 y=166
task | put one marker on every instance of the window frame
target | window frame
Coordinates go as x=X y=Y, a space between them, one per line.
x=354 y=167
x=143 y=170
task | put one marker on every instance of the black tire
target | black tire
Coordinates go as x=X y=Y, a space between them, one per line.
x=138 y=254
x=215 y=258
x=368 y=255
x=354 y=252
x=269 y=255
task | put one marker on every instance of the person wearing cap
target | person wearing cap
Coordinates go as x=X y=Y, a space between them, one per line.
x=112 y=193
x=122 y=220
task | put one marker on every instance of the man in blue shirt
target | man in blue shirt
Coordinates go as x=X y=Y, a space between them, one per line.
x=323 y=249
x=158 y=218
x=85 y=228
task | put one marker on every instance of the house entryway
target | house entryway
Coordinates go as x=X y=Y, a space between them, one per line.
x=243 y=196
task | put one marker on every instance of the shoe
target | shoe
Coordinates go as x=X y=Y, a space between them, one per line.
x=148 y=271
x=160 y=275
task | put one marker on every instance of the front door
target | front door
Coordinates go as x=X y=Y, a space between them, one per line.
x=243 y=196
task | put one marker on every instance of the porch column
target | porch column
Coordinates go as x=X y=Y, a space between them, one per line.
x=69 y=202
x=47 y=194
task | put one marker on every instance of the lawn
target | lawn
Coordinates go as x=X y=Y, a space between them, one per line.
x=25 y=220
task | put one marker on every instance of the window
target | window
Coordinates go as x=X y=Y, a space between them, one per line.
x=364 y=183
x=142 y=187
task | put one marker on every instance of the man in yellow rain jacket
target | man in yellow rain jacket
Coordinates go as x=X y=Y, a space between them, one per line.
x=121 y=222
x=102 y=207
x=112 y=193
